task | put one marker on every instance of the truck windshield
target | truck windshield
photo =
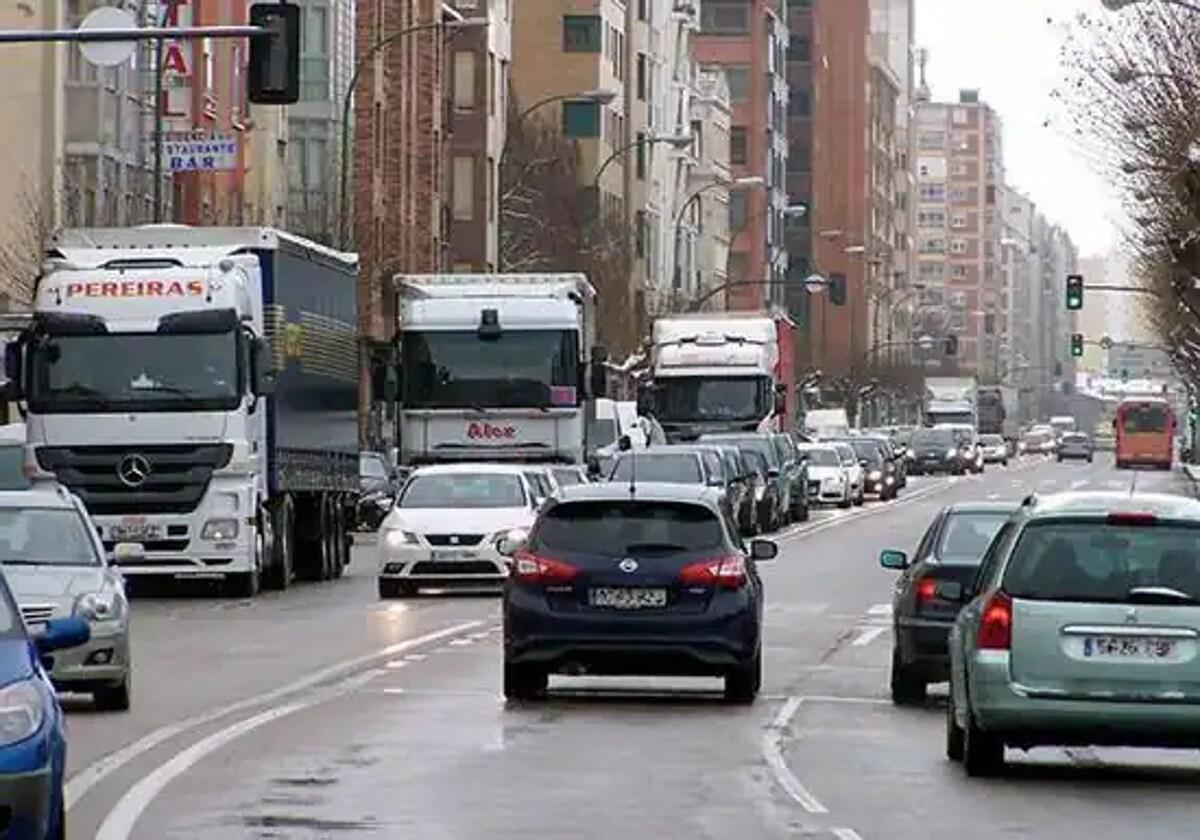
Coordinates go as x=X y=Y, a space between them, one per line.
x=943 y=416
x=519 y=369
x=690 y=398
x=135 y=371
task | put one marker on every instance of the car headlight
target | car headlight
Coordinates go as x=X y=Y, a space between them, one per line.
x=950 y=453
x=398 y=538
x=21 y=711
x=219 y=529
x=104 y=605
x=875 y=475
x=513 y=535
x=760 y=492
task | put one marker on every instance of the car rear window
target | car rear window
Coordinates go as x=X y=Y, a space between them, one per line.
x=967 y=535
x=567 y=478
x=672 y=469
x=1094 y=561
x=628 y=528
x=12 y=468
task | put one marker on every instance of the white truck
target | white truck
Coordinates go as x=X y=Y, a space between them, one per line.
x=723 y=372
x=950 y=399
x=196 y=388
x=497 y=367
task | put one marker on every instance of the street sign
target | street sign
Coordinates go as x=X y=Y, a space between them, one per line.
x=108 y=53
x=210 y=154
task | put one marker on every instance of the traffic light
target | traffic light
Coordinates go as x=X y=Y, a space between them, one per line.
x=951 y=345
x=1074 y=292
x=1077 y=344
x=274 y=65
x=837 y=289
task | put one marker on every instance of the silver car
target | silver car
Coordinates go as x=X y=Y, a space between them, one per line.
x=52 y=557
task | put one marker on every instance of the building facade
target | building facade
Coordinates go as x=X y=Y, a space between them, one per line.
x=748 y=40
x=704 y=221
x=480 y=61
x=841 y=181
x=797 y=231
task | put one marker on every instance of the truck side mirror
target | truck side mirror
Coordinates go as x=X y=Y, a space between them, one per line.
x=391 y=384
x=645 y=401
x=13 y=356
x=598 y=384
x=263 y=377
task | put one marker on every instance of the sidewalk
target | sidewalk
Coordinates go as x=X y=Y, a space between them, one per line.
x=1192 y=473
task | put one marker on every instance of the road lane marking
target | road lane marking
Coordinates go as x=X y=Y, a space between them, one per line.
x=80 y=784
x=1077 y=483
x=772 y=746
x=874 y=509
x=879 y=609
x=120 y=821
x=417 y=657
x=868 y=635
x=396 y=664
x=461 y=642
x=846 y=834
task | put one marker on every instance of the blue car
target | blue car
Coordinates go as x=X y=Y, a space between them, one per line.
x=33 y=739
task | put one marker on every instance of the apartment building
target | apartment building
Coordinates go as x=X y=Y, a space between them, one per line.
x=480 y=61
x=401 y=212
x=797 y=232
x=960 y=174
x=841 y=182
x=314 y=124
x=748 y=40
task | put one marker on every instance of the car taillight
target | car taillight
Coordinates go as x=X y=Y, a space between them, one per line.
x=728 y=572
x=926 y=590
x=531 y=568
x=995 y=625
x=1131 y=518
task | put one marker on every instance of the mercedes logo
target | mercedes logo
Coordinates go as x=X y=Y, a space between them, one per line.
x=628 y=565
x=133 y=470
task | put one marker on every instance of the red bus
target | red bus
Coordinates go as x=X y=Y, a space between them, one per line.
x=1145 y=429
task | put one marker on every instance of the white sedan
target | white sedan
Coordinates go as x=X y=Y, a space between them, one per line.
x=444 y=529
x=829 y=480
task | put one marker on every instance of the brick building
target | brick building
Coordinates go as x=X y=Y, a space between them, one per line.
x=841 y=179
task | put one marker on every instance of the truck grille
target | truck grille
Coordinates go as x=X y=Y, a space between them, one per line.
x=175 y=477
x=37 y=613
x=453 y=539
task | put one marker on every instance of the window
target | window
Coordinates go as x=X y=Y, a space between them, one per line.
x=960 y=169
x=960 y=116
x=464 y=80
x=958 y=220
x=581 y=119
x=739 y=206
x=478 y=490
x=933 y=246
x=958 y=246
x=725 y=17
x=624 y=528
x=697 y=140
x=931 y=219
x=737 y=144
x=799 y=48
x=639 y=233
x=641 y=76
x=931 y=140
x=639 y=152
x=799 y=157
x=933 y=192
x=798 y=102
x=46 y=536
x=931 y=270
x=738 y=78
x=581 y=33
x=464 y=188
x=642 y=10
x=960 y=272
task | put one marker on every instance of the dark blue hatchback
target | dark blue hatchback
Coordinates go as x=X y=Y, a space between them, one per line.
x=649 y=581
x=33 y=743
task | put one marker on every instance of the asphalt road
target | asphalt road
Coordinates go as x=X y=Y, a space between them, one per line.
x=323 y=712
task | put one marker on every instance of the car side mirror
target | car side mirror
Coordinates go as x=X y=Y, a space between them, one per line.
x=62 y=633
x=891 y=558
x=593 y=466
x=13 y=356
x=128 y=552
x=263 y=384
x=762 y=551
x=773 y=473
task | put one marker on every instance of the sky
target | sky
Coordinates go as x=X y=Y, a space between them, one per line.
x=1009 y=50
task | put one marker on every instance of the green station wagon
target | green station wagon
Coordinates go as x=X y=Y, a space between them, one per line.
x=1082 y=628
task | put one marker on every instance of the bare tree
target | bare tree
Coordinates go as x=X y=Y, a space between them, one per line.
x=549 y=221
x=22 y=245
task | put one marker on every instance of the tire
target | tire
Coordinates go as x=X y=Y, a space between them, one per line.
x=341 y=547
x=113 y=698
x=983 y=752
x=907 y=688
x=524 y=682
x=244 y=584
x=802 y=516
x=845 y=503
x=954 y=732
x=60 y=817
x=283 y=560
x=392 y=588
x=743 y=682
x=860 y=500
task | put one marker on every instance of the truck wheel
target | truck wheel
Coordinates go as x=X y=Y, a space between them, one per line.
x=329 y=540
x=244 y=585
x=279 y=574
x=341 y=545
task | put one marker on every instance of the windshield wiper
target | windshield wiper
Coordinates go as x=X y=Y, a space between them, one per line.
x=78 y=389
x=1159 y=595
x=162 y=389
x=24 y=563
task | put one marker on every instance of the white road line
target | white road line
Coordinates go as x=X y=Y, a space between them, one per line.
x=786 y=779
x=82 y=782
x=846 y=834
x=829 y=522
x=879 y=609
x=119 y=822
x=396 y=664
x=868 y=635
x=1077 y=483
x=993 y=497
x=461 y=642
x=787 y=712
x=417 y=657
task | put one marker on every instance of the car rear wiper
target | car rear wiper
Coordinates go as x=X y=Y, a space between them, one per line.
x=1159 y=595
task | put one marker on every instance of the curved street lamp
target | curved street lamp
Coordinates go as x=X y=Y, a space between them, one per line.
x=1117 y=5
x=679 y=141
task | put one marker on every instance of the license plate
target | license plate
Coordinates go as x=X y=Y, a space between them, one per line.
x=1128 y=647
x=628 y=599
x=133 y=529
x=453 y=554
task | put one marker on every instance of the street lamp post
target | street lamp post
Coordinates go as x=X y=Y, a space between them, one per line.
x=348 y=98
x=679 y=141
x=676 y=268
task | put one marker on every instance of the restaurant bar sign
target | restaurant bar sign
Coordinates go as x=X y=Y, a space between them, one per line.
x=208 y=154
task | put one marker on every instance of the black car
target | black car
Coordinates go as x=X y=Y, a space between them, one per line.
x=928 y=594
x=794 y=469
x=378 y=486
x=935 y=451
x=776 y=502
x=738 y=479
x=893 y=454
x=655 y=581
x=881 y=477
